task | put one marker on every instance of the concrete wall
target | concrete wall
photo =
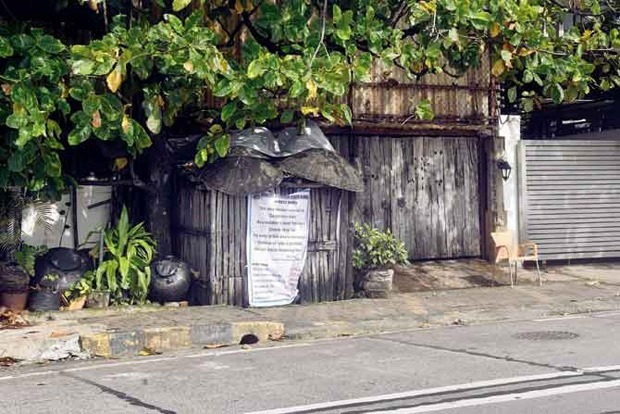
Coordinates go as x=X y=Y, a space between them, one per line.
x=510 y=131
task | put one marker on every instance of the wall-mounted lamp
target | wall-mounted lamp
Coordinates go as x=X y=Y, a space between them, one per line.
x=505 y=168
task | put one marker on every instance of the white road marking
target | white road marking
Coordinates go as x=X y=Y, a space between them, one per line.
x=601 y=369
x=528 y=395
x=561 y=318
x=27 y=375
x=419 y=393
x=603 y=314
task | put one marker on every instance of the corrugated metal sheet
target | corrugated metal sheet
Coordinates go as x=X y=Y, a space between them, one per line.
x=570 y=197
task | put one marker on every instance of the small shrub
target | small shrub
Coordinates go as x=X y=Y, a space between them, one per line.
x=81 y=287
x=125 y=270
x=376 y=249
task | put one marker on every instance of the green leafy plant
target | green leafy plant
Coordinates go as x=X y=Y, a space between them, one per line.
x=376 y=249
x=80 y=288
x=125 y=270
x=26 y=256
x=51 y=277
x=47 y=283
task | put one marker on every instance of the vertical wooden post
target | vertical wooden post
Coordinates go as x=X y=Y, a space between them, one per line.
x=158 y=207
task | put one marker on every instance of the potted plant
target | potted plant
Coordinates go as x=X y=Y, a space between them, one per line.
x=17 y=258
x=375 y=254
x=16 y=276
x=125 y=269
x=76 y=295
x=14 y=290
x=98 y=295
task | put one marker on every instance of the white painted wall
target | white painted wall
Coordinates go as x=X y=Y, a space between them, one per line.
x=88 y=219
x=510 y=130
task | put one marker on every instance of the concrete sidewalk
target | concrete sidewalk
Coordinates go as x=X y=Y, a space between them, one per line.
x=130 y=331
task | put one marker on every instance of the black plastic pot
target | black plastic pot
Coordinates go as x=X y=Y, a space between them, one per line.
x=199 y=293
x=68 y=264
x=44 y=300
x=170 y=280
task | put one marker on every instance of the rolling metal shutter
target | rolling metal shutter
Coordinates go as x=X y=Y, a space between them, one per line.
x=570 y=197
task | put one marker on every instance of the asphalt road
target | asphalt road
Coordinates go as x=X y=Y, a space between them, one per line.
x=567 y=366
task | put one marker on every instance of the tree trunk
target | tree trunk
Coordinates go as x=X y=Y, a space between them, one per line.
x=159 y=194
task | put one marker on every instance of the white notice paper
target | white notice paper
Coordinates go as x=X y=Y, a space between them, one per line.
x=277 y=245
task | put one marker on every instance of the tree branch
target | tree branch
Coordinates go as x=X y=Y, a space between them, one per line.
x=573 y=10
x=231 y=35
x=322 y=38
x=410 y=31
x=402 y=10
x=262 y=39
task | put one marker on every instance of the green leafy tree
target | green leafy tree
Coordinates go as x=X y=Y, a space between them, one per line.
x=228 y=64
x=33 y=68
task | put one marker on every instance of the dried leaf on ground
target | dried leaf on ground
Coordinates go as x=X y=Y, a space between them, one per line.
x=12 y=320
x=60 y=334
x=214 y=346
x=146 y=351
x=8 y=361
x=277 y=337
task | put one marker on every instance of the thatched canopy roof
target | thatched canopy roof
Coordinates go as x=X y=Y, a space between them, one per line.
x=323 y=167
x=239 y=175
x=258 y=161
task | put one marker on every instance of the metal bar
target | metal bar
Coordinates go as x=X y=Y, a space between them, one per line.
x=399 y=85
x=192 y=232
x=74 y=218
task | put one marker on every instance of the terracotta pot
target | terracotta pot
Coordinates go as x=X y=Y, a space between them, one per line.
x=15 y=301
x=98 y=299
x=13 y=287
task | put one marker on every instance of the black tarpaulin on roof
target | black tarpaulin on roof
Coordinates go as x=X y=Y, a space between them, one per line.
x=289 y=141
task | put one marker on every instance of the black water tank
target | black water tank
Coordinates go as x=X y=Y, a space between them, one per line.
x=170 y=280
x=68 y=264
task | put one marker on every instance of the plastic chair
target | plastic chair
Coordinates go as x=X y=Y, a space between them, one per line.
x=506 y=250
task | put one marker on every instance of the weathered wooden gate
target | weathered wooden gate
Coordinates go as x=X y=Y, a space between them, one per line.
x=211 y=231
x=426 y=190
